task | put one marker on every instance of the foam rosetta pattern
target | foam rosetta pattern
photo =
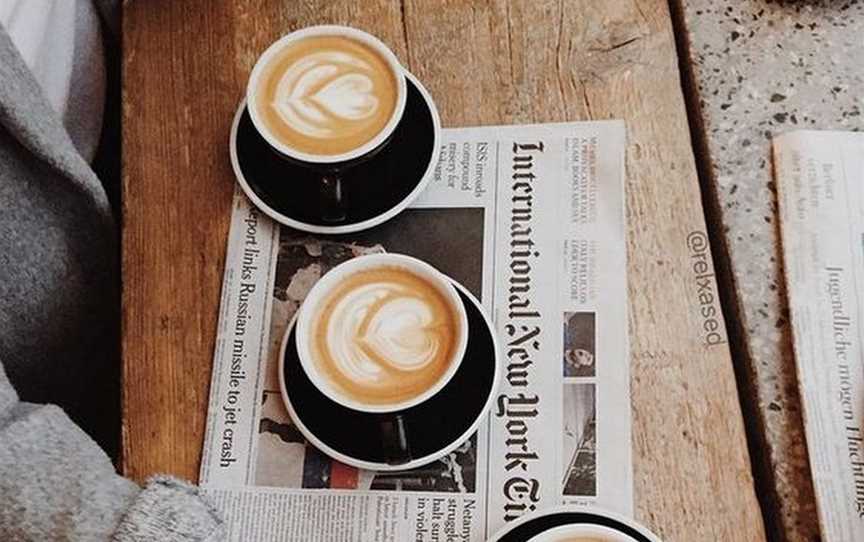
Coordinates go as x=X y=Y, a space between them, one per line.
x=385 y=336
x=323 y=94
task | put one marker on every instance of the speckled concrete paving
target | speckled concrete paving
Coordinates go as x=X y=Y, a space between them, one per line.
x=759 y=69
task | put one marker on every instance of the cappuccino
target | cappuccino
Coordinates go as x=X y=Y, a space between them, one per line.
x=325 y=95
x=383 y=335
x=582 y=533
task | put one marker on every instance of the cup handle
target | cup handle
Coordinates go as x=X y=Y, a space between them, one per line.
x=332 y=197
x=395 y=439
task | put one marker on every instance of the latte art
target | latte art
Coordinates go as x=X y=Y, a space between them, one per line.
x=324 y=92
x=326 y=95
x=384 y=336
x=382 y=328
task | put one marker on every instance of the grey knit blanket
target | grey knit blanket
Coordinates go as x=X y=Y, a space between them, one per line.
x=57 y=250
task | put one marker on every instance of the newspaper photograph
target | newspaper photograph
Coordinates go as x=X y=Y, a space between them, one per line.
x=820 y=185
x=530 y=220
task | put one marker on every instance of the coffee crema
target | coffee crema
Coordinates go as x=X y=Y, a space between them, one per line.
x=326 y=95
x=383 y=336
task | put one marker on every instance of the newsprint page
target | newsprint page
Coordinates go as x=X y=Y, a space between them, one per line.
x=530 y=219
x=820 y=182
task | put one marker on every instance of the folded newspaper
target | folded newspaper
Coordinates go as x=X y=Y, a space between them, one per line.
x=530 y=219
x=820 y=186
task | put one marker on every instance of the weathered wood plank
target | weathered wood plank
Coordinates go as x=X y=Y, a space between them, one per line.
x=179 y=88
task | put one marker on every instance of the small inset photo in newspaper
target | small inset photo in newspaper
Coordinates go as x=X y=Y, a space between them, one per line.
x=580 y=353
x=580 y=440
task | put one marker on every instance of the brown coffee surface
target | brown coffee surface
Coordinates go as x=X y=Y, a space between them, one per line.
x=384 y=336
x=326 y=95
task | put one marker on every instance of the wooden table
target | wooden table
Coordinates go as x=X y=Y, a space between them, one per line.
x=490 y=62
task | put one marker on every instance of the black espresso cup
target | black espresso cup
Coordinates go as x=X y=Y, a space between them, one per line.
x=327 y=98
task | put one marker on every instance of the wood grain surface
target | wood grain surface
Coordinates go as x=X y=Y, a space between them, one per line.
x=489 y=62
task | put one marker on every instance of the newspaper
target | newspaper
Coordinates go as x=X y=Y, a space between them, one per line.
x=820 y=181
x=530 y=219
